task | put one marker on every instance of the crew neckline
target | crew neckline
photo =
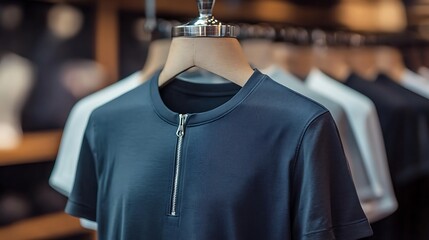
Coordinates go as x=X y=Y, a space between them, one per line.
x=205 y=89
x=202 y=117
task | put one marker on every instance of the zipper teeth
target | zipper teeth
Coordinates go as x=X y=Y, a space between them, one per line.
x=180 y=133
x=176 y=176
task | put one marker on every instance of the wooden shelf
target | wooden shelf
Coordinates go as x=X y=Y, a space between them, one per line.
x=34 y=147
x=45 y=227
x=107 y=37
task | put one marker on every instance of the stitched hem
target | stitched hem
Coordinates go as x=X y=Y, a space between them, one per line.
x=80 y=210
x=354 y=230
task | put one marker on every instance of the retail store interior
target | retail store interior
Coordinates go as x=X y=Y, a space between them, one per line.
x=58 y=56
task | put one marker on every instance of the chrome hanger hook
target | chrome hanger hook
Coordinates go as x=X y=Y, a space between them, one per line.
x=205 y=7
x=205 y=25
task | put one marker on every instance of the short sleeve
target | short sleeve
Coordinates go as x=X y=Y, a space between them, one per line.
x=325 y=204
x=63 y=174
x=83 y=198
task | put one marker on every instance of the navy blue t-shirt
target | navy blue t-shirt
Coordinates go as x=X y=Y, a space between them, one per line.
x=263 y=162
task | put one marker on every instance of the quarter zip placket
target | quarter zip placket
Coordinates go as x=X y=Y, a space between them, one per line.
x=180 y=133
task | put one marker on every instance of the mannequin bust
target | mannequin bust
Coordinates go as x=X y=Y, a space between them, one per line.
x=64 y=21
x=15 y=83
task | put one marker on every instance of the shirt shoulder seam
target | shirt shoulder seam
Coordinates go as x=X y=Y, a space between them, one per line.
x=93 y=144
x=307 y=126
x=300 y=95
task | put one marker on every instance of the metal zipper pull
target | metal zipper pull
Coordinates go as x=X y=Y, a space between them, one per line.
x=181 y=128
x=180 y=133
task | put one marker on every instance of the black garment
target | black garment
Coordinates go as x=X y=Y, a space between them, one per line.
x=398 y=119
x=257 y=162
x=413 y=196
x=402 y=116
x=418 y=166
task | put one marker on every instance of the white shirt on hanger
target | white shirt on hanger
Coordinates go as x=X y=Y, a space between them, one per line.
x=366 y=126
x=416 y=83
x=351 y=149
x=424 y=72
x=64 y=172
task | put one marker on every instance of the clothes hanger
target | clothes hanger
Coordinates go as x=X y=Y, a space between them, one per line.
x=299 y=58
x=330 y=59
x=302 y=61
x=208 y=44
x=158 y=49
x=362 y=58
x=425 y=57
x=413 y=55
x=156 y=57
x=257 y=43
x=281 y=54
x=390 y=62
x=158 y=53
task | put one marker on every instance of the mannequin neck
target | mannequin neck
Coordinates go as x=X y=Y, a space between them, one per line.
x=12 y=97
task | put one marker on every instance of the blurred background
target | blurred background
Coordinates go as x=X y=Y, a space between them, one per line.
x=53 y=53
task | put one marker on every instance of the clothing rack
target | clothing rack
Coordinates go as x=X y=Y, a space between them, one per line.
x=328 y=37
x=38 y=147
